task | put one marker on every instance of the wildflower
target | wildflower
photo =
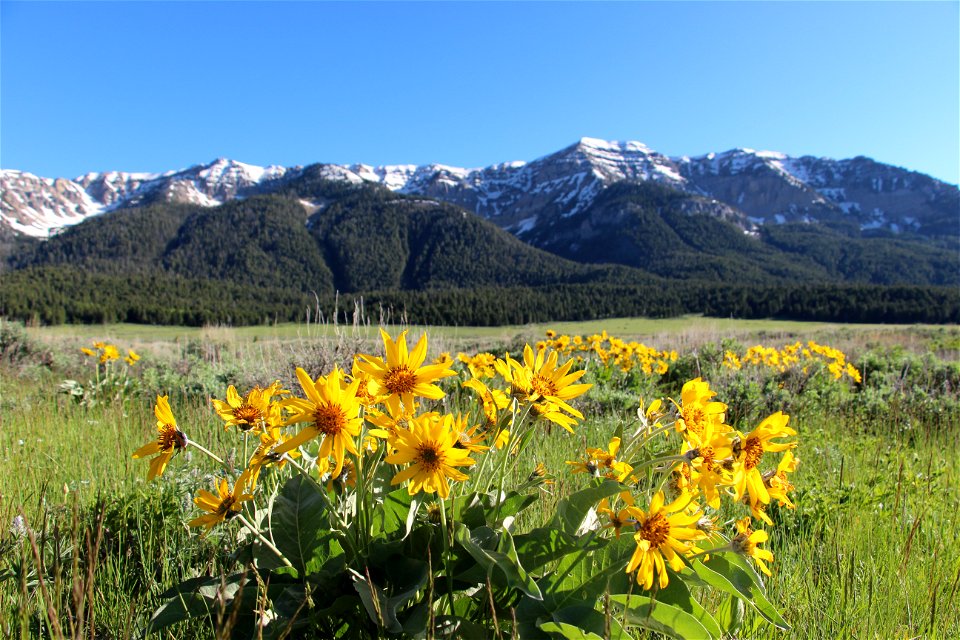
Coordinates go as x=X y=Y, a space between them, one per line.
x=600 y=462
x=132 y=357
x=466 y=436
x=223 y=506
x=331 y=411
x=428 y=446
x=746 y=542
x=777 y=483
x=696 y=409
x=493 y=400
x=250 y=413
x=749 y=451
x=170 y=439
x=706 y=454
x=109 y=353
x=265 y=454
x=88 y=352
x=662 y=534
x=401 y=377
x=540 y=381
x=617 y=520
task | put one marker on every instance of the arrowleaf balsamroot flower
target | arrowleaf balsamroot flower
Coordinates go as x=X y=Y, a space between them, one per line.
x=222 y=506
x=428 y=445
x=401 y=377
x=250 y=413
x=746 y=542
x=663 y=534
x=696 y=409
x=540 y=382
x=332 y=412
x=170 y=439
x=749 y=451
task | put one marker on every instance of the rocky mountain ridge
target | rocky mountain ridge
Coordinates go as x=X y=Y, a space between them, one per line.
x=747 y=187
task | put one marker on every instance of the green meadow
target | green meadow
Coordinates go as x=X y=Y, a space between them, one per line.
x=88 y=547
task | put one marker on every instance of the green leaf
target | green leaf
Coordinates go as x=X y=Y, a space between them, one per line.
x=730 y=614
x=582 y=575
x=568 y=631
x=404 y=578
x=193 y=598
x=504 y=557
x=542 y=546
x=656 y=615
x=591 y=621
x=731 y=574
x=395 y=512
x=572 y=511
x=677 y=594
x=300 y=527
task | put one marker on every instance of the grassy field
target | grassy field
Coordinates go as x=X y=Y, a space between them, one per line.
x=871 y=551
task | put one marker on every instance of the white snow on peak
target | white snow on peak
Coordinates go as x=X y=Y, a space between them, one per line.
x=615 y=146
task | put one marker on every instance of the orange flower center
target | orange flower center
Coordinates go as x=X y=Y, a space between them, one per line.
x=329 y=419
x=171 y=438
x=693 y=419
x=754 y=451
x=707 y=452
x=247 y=414
x=400 y=380
x=656 y=530
x=543 y=386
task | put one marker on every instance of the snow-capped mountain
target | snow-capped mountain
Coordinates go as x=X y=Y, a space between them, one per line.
x=38 y=207
x=767 y=187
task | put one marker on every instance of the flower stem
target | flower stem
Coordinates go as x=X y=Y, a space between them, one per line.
x=263 y=539
x=206 y=451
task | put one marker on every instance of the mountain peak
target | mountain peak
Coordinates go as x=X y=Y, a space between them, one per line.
x=615 y=146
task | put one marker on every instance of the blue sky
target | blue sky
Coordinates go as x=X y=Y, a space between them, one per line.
x=153 y=86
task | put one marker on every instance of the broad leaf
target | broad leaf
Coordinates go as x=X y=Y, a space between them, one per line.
x=644 y=611
x=573 y=510
x=731 y=574
x=503 y=557
x=299 y=525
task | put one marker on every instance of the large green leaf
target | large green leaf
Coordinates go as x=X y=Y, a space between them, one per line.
x=581 y=576
x=406 y=576
x=568 y=631
x=300 y=527
x=731 y=574
x=678 y=595
x=649 y=613
x=503 y=557
x=587 y=620
x=572 y=511
x=542 y=546
x=397 y=511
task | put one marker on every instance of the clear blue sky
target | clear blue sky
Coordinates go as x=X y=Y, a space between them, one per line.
x=153 y=86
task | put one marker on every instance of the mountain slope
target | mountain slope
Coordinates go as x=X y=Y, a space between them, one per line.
x=765 y=187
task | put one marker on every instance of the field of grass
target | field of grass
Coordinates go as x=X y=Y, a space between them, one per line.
x=871 y=550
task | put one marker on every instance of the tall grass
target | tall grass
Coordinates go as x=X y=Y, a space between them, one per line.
x=870 y=551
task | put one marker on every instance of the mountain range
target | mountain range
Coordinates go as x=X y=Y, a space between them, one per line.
x=595 y=228
x=749 y=188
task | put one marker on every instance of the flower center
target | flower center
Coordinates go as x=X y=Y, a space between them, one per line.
x=693 y=419
x=247 y=414
x=754 y=451
x=429 y=457
x=224 y=508
x=400 y=380
x=707 y=452
x=329 y=419
x=656 y=530
x=542 y=386
x=171 y=438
